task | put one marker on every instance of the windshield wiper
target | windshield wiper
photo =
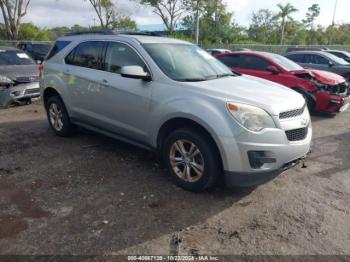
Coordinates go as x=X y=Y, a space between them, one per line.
x=198 y=79
x=219 y=76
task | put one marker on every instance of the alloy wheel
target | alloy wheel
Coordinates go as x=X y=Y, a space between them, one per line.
x=56 y=117
x=186 y=160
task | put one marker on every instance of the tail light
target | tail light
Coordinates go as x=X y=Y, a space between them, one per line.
x=41 y=69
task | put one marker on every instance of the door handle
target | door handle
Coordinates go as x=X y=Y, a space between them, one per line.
x=66 y=72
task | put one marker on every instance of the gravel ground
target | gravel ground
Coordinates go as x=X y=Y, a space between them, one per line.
x=91 y=195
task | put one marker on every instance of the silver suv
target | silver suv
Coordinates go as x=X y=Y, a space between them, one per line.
x=174 y=98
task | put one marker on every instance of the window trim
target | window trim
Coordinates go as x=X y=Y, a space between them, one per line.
x=82 y=42
x=134 y=49
x=104 y=52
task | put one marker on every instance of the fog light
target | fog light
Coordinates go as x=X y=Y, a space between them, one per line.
x=258 y=158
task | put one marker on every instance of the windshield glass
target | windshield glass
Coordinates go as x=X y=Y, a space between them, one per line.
x=15 y=58
x=336 y=59
x=184 y=62
x=289 y=65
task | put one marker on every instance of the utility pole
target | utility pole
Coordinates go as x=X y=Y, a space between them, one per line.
x=335 y=11
x=197 y=22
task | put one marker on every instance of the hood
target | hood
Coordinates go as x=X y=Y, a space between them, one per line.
x=21 y=73
x=324 y=77
x=271 y=97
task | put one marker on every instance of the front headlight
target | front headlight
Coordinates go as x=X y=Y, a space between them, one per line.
x=4 y=80
x=251 y=117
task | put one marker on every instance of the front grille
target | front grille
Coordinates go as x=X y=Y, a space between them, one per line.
x=292 y=113
x=27 y=79
x=32 y=91
x=297 y=134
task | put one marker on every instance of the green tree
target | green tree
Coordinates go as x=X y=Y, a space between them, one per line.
x=13 y=11
x=28 y=31
x=170 y=11
x=284 y=15
x=124 y=23
x=263 y=27
x=105 y=10
x=312 y=14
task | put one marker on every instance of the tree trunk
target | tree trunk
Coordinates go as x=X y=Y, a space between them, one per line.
x=282 y=33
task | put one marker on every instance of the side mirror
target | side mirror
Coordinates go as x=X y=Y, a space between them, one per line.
x=272 y=69
x=330 y=64
x=135 y=72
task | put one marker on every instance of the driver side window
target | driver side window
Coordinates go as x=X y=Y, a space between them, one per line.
x=119 y=55
x=254 y=63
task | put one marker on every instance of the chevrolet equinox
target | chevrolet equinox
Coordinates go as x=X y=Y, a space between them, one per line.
x=174 y=98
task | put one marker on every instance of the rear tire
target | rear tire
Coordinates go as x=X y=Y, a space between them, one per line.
x=58 y=117
x=192 y=160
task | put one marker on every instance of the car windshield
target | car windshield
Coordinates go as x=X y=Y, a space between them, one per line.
x=336 y=59
x=15 y=58
x=187 y=63
x=286 y=63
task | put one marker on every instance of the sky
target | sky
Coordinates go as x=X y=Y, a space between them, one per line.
x=51 y=13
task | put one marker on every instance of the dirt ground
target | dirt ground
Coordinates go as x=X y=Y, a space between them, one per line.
x=92 y=195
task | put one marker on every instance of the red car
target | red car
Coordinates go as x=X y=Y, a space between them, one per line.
x=323 y=91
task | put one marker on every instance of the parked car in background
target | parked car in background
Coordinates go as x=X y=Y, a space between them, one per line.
x=341 y=54
x=19 y=77
x=321 y=60
x=37 y=51
x=305 y=48
x=214 y=52
x=174 y=98
x=323 y=91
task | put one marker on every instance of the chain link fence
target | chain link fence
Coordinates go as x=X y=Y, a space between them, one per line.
x=278 y=49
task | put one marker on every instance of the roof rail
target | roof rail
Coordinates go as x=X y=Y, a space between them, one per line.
x=110 y=32
x=89 y=32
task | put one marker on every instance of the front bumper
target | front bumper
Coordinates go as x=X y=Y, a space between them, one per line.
x=19 y=93
x=249 y=179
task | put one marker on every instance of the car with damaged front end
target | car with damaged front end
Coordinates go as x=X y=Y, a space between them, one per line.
x=323 y=91
x=19 y=77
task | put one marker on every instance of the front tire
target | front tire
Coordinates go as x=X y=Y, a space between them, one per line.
x=192 y=159
x=58 y=117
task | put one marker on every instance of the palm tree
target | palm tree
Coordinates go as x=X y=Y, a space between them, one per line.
x=284 y=15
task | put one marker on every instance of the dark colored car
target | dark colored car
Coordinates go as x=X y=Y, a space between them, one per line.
x=321 y=60
x=19 y=77
x=341 y=54
x=214 y=52
x=323 y=91
x=294 y=49
x=37 y=51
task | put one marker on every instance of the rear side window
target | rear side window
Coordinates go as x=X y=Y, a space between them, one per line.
x=316 y=60
x=231 y=60
x=59 y=45
x=87 y=54
x=298 y=58
x=119 y=55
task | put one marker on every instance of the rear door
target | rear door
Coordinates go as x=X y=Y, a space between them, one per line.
x=317 y=62
x=83 y=77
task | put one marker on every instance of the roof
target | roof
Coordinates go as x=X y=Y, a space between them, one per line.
x=144 y=39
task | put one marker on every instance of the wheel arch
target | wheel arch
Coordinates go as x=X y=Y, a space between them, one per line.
x=183 y=122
